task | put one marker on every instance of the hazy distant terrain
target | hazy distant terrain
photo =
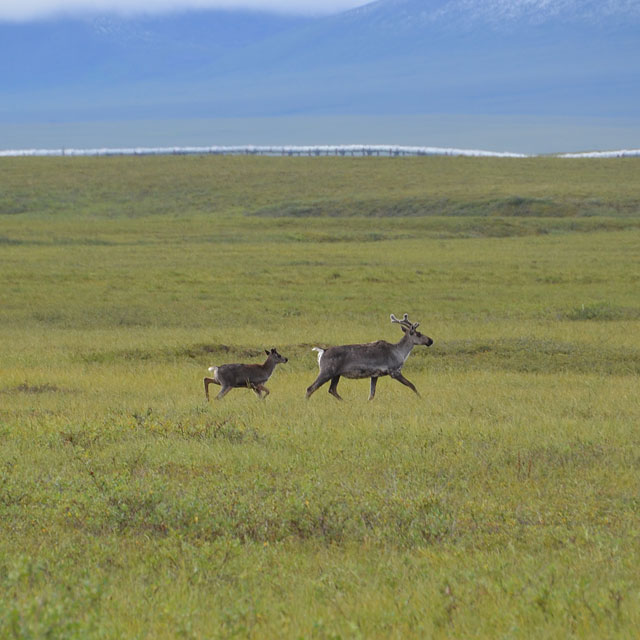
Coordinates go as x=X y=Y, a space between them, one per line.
x=526 y=64
x=389 y=57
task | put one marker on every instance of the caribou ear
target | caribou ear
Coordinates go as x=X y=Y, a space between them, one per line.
x=267 y=352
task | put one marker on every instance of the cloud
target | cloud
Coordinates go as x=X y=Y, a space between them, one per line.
x=21 y=10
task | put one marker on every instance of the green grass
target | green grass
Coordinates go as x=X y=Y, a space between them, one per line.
x=503 y=503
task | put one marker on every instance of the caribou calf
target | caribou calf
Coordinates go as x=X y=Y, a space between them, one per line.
x=372 y=360
x=253 y=376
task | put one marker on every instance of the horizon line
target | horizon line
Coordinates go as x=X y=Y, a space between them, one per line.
x=362 y=150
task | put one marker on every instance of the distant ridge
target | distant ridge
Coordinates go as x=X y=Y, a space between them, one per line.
x=269 y=150
x=306 y=150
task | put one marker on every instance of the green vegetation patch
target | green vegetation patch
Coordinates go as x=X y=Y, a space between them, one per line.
x=531 y=355
x=512 y=206
x=501 y=502
x=602 y=311
x=497 y=217
x=34 y=389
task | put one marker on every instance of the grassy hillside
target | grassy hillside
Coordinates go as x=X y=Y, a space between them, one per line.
x=502 y=502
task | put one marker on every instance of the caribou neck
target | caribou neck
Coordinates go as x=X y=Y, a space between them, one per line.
x=404 y=346
x=269 y=364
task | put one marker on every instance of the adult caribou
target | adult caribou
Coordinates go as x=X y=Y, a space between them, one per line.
x=372 y=360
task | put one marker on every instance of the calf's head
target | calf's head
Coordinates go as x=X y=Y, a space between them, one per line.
x=276 y=357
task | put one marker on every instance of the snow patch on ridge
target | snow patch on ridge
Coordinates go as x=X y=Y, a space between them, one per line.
x=307 y=150
x=272 y=150
x=622 y=153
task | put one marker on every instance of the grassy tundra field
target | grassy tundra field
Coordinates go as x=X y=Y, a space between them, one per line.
x=502 y=503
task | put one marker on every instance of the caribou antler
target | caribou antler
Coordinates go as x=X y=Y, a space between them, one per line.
x=405 y=322
x=405 y=319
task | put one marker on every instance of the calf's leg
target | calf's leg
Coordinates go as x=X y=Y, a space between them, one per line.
x=261 y=391
x=223 y=392
x=207 y=382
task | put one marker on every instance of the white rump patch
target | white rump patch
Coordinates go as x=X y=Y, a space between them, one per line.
x=320 y=352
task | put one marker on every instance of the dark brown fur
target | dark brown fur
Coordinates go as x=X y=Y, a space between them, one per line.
x=252 y=376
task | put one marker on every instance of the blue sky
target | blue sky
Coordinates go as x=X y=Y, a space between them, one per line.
x=32 y=9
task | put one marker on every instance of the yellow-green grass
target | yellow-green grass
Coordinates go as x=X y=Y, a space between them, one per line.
x=501 y=503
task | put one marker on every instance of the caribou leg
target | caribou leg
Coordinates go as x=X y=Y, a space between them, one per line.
x=223 y=392
x=333 y=389
x=372 y=392
x=207 y=382
x=400 y=378
x=317 y=383
x=261 y=391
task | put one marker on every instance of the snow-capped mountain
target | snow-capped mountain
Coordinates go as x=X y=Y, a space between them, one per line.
x=499 y=13
x=559 y=57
